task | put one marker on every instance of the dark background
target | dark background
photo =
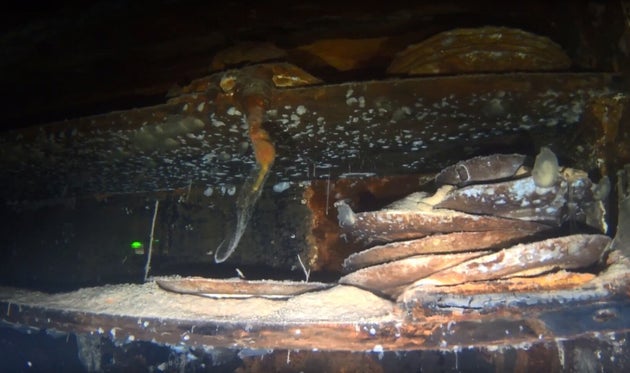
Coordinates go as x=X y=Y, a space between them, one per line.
x=61 y=60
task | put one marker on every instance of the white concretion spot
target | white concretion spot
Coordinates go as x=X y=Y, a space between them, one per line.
x=281 y=186
x=217 y=123
x=233 y=111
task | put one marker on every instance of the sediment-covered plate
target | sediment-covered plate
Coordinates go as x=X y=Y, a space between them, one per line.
x=238 y=288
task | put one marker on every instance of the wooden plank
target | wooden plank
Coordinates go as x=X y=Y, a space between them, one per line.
x=342 y=318
x=396 y=126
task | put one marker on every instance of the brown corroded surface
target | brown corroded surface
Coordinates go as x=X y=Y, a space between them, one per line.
x=397 y=224
x=238 y=288
x=381 y=127
x=481 y=169
x=536 y=291
x=67 y=62
x=569 y=252
x=559 y=280
x=515 y=199
x=481 y=49
x=342 y=318
x=366 y=192
x=386 y=278
x=435 y=244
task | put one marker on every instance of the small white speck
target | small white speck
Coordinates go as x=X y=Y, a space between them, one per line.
x=379 y=350
x=131 y=338
x=349 y=93
x=300 y=110
x=218 y=123
x=281 y=186
x=201 y=106
x=185 y=108
x=231 y=190
x=208 y=191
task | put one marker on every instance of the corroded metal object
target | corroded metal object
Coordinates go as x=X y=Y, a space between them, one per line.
x=435 y=244
x=396 y=224
x=198 y=135
x=515 y=199
x=481 y=169
x=523 y=260
x=529 y=204
x=389 y=277
x=551 y=195
x=253 y=92
x=556 y=288
x=478 y=50
x=491 y=313
x=238 y=288
x=569 y=252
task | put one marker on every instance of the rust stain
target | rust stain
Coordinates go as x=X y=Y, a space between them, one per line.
x=366 y=194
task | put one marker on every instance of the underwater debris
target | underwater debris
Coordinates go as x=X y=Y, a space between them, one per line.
x=569 y=252
x=480 y=169
x=546 y=169
x=265 y=153
x=389 y=277
x=389 y=225
x=435 y=244
x=514 y=199
x=422 y=237
x=548 y=196
x=238 y=288
x=477 y=50
x=245 y=204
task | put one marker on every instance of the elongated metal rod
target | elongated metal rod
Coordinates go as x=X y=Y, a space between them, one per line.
x=265 y=154
x=147 y=266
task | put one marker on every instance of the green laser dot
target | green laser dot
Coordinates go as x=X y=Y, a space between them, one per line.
x=136 y=245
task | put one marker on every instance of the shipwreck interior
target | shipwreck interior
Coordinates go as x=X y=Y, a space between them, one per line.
x=315 y=186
